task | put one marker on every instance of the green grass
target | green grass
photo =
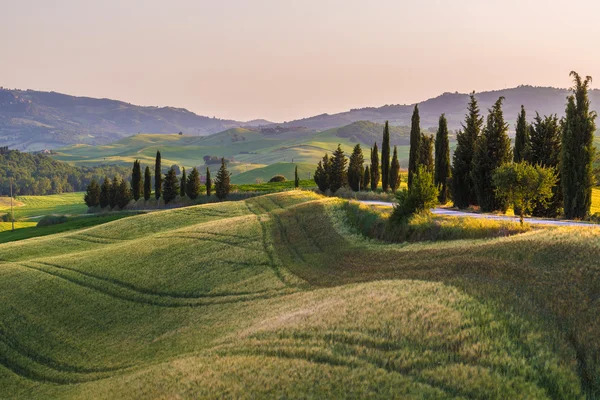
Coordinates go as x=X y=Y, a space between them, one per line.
x=36 y=206
x=277 y=296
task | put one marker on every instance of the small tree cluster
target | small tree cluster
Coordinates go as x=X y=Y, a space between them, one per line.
x=110 y=194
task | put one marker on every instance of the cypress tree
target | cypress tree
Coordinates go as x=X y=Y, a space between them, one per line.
x=385 y=158
x=136 y=180
x=356 y=169
x=415 y=145
x=92 y=194
x=296 y=178
x=522 y=145
x=222 y=182
x=578 y=150
x=367 y=178
x=426 y=152
x=545 y=135
x=337 y=176
x=183 y=183
x=442 y=160
x=192 y=186
x=114 y=192
x=170 y=186
x=395 y=171
x=320 y=175
x=463 y=191
x=492 y=150
x=157 y=176
x=374 y=168
x=208 y=183
x=123 y=194
x=147 y=184
x=105 y=193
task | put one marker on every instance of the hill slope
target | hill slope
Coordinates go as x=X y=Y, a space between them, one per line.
x=32 y=120
x=275 y=297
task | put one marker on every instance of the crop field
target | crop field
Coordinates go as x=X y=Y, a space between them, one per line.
x=279 y=296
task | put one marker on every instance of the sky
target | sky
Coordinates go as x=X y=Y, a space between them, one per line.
x=285 y=59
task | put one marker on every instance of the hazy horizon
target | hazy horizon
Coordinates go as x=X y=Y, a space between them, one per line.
x=283 y=61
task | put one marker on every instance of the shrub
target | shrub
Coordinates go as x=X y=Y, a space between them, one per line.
x=48 y=220
x=277 y=178
x=7 y=217
x=420 y=198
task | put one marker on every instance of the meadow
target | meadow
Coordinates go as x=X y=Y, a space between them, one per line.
x=298 y=303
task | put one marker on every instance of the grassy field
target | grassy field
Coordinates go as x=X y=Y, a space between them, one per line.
x=35 y=206
x=279 y=296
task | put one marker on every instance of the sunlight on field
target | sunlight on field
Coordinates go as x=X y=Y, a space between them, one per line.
x=7 y=226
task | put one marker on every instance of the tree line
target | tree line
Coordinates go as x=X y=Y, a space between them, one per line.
x=119 y=192
x=548 y=173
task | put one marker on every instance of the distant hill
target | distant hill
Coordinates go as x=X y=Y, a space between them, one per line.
x=545 y=100
x=32 y=120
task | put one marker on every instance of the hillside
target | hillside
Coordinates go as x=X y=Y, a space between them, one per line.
x=32 y=120
x=296 y=305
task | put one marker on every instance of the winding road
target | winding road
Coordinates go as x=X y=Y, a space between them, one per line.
x=455 y=213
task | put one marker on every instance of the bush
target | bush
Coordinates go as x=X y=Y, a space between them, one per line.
x=48 y=220
x=7 y=217
x=419 y=199
x=277 y=178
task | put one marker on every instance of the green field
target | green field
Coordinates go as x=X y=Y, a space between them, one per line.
x=36 y=206
x=279 y=297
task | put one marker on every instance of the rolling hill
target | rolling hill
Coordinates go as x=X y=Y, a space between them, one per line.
x=296 y=305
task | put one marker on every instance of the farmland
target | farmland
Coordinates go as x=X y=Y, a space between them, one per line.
x=298 y=304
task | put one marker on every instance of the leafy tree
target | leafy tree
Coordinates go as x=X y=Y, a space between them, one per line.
x=170 y=186
x=92 y=194
x=421 y=197
x=545 y=136
x=183 y=183
x=367 y=178
x=426 y=152
x=463 y=190
x=136 y=180
x=356 y=169
x=415 y=145
x=105 y=191
x=374 y=168
x=492 y=150
x=395 y=171
x=522 y=145
x=442 y=160
x=578 y=150
x=338 y=176
x=192 y=187
x=522 y=184
x=157 y=176
x=114 y=192
x=222 y=182
x=296 y=178
x=208 y=183
x=277 y=178
x=147 y=184
x=123 y=194
x=385 y=158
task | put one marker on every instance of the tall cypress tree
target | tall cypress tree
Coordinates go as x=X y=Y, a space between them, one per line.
x=192 y=186
x=208 y=183
x=463 y=191
x=222 y=181
x=92 y=194
x=415 y=145
x=545 y=136
x=426 y=152
x=183 y=183
x=385 y=158
x=147 y=183
x=170 y=186
x=395 y=171
x=114 y=192
x=123 y=195
x=105 y=190
x=492 y=150
x=578 y=150
x=338 y=176
x=442 y=160
x=296 y=178
x=521 y=137
x=356 y=169
x=367 y=178
x=374 y=168
x=157 y=176
x=136 y=180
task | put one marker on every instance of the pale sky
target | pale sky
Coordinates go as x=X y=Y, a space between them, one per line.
x=284 y=59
